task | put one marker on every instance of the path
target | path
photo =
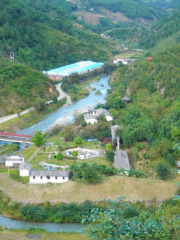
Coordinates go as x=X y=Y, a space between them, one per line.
x=34 y=154
x=62 y=94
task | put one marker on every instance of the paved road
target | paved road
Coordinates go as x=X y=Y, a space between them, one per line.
x=62 y=94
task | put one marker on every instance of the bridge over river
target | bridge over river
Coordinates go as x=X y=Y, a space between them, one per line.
x=14 y=137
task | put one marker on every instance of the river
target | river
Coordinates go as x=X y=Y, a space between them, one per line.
x=50 y=227
x=65 y=114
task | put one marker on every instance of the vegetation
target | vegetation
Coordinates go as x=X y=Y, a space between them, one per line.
x=124 y=221
x=39 y=138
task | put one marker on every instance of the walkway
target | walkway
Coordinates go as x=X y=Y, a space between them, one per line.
x=62 y=94
x=34 y=154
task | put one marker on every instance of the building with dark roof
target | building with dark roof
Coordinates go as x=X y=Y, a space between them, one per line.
x=48 y=176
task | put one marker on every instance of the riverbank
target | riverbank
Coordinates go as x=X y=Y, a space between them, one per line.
x=28 y=119
x=39 y=234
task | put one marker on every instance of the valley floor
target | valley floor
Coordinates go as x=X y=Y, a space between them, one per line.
x=133 y=189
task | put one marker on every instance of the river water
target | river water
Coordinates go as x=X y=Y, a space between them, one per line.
x=65 y=114
x=50 y=227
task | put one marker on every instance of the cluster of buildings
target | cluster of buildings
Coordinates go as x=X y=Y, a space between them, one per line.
x=79 y=67
x=36 y=176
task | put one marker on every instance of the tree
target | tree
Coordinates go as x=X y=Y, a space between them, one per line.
x=59 y=156
x=163 y=171
x=90 y=175
x=110 y=155
x=78 y=140
x=39 y=138
x=39 y=105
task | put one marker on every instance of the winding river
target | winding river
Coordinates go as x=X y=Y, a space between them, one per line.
x=65 y=114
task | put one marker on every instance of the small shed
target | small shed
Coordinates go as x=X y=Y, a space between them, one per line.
x=24 y=169
x=126 y=99
x=149 y=59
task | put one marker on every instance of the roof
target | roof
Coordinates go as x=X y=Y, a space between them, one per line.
x=25 y=165
x=89 y=116
x=78 y=67
x=14 y=158
x=14 y=135
x=50 y=173
x=103 y=111
x=126 y=98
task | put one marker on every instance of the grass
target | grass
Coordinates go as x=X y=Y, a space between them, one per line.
x=21 y=235
x=130 y=187
x=28 y=152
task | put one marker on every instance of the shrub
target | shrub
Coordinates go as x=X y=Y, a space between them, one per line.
x=163 y=171
x=78 y=140
x=110 y=155
x=59 y=156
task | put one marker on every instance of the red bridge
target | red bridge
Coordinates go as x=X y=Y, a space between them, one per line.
x=13 y=137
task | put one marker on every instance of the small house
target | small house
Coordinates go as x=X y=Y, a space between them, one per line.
x=14 y=161
x=149 y=59
x=48 y=176
x=24 y=169
x=90 y=119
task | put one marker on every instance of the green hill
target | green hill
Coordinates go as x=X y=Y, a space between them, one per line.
x=153 y=115
x=21 y=86
x=41 y=34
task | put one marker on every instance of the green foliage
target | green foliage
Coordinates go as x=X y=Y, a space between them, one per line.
x=59 y=156
x=163 y=171
x=78 y=140
x=91 y=173
x=110 y=155
x=39 y=105
x=122 y=221
x=38 y=139
x=75 y=153
x=108 y=147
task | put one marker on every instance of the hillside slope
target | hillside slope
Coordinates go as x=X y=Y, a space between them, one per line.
x=29 y=30
x=21 y=86
x=153 y=114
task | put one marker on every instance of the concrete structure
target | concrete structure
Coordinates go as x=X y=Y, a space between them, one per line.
x=14 y=137
x=48 y=176
x=24 y=169
x=124 y=61
x=14 y=161
x=121 y=160
x=79 y=67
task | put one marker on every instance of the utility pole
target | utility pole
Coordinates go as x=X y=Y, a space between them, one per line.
x=11 y=56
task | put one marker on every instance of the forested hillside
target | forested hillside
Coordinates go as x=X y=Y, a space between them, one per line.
x=21 y=86
x=42 y=35
x=153 y=114
x=165 y=3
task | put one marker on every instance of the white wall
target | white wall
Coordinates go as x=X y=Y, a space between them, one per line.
x=91 y=121
x=45 y=180
x=24 y=173
x=109 y=118
x=10 y=163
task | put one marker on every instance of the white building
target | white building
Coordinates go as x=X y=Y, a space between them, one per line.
x=24 y=169
x=48 y=176
x=14 y=161
x=124 y=61
x=99 y=111
x=90 y=119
